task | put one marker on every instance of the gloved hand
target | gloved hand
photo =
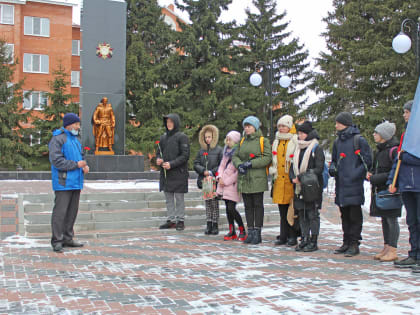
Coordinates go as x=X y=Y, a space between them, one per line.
x=332 y=171
x=243 y=168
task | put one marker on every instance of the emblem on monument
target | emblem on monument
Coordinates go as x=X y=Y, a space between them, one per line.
x=104 y=51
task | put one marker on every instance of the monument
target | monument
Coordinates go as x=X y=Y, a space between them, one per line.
x=103 y=55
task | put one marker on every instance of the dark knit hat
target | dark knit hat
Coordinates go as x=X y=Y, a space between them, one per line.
x=344 y=118
x=70 y=118
x=408 y=105
x=305 y=127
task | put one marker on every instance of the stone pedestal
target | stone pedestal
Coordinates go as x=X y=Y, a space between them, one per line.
x=115 y=163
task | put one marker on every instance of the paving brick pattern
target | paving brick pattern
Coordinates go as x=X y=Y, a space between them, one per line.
x=190 y=273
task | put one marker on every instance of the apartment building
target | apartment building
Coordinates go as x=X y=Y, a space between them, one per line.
x=40 y=35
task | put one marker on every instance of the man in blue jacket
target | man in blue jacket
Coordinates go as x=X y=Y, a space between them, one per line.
x=408 y=184
x=67 y=169
x=350 y=160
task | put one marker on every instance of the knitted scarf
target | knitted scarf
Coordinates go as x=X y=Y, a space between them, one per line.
x=302 y=144
x=291 y=146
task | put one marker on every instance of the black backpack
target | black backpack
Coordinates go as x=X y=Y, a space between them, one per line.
x=311 y=189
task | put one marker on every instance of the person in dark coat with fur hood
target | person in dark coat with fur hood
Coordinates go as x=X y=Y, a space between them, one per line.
x=172 y=155
x=206 y=164
x=387 y=151
x=308 y=157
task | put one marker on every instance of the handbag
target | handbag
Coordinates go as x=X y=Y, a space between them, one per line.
x=384 y=200
x=209 y=188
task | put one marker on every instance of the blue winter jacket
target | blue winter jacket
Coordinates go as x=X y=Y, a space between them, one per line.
x=65 y=151
x=350 y=171
x=409 y=173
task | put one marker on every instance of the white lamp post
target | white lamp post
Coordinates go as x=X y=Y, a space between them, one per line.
x=402 y=42
x=256 y=79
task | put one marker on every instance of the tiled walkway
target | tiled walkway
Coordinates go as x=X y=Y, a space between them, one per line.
x=190 y=273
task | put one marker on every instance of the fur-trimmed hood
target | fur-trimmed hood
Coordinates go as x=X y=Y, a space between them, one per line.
x=208 y=128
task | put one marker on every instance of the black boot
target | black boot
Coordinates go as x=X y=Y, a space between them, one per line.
x=215 y=229
x=257 y=236
x=250 y=236
x=303 y=242
x=312 y=245
x=292 y=241
x=342 y=249
x=208 y=229
x=352 y=251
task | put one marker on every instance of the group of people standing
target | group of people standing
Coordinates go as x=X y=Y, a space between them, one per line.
x=242 y=168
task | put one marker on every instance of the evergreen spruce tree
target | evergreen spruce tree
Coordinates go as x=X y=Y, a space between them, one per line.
x=361 y=73
x=149 y=43
x=51 y=117
x=204 y=78
x=265 y=33
x=14 y=152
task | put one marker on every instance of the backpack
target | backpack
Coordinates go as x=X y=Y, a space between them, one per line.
x=325 y=174
x=311 y=189
x=261 y=148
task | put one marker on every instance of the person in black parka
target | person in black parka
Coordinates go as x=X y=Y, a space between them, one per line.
x=206 y=164
x=172 y=155
x=308 y=157
x=387 y=151
x=349 y=170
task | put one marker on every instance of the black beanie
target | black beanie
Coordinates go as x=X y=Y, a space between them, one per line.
x=70 y=118
x=344 y=118
x=305 y=127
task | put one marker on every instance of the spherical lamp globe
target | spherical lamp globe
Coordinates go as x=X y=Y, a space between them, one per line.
x=285 y=81
x=255 y=79
x=401 y=43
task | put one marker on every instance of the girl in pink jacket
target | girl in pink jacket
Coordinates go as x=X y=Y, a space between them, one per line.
x=227 y=176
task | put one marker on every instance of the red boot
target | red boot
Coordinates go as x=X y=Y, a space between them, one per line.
x=242 y=234
x=231 y=235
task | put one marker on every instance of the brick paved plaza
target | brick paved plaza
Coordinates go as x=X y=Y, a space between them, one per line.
x=190 y=273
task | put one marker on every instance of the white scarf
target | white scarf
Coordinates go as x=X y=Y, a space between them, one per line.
x=302 y=144
x=291 y=146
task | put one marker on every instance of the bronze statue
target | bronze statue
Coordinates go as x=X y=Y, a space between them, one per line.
x=104 y=126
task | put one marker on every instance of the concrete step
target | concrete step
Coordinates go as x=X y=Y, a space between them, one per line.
x=90 y=228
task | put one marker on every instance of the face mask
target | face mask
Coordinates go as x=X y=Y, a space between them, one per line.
x=74 y=132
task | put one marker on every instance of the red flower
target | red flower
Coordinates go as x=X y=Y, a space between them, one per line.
x=357 y=152
x=87 y=148
x=217 y=174
x=274 y=153
x=205 y=153
x=157 y=142
x=342 y=155
x=251 y=155
x=291 y=156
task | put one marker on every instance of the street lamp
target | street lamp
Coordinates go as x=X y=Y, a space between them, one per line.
x=402 y=42
x=255 y=79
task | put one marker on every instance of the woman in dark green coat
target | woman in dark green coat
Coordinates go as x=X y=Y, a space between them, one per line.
x=251 y=159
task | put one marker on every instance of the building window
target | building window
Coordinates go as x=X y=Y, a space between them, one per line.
x=75 y=47
x=35 y=100
x=75 y=78
x=10 y=52
x=35 y=63
x=35 y=139
x=36 y=26
x=7 y=13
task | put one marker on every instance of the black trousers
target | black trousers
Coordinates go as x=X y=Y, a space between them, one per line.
x=286 y=230
x=233 y=214
x=351 y=222
x=66 y=206
x=254 y=209
x=411 y=201
x=309 y=221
